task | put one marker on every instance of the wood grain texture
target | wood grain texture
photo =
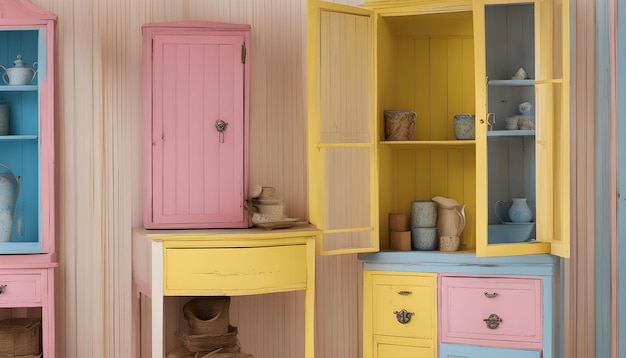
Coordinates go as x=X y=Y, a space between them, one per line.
x=99 y=178
x=579 y=271
x=99 y=165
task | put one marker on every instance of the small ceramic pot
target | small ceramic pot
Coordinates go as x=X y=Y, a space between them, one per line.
x=267 y=192
x=449 y=243
x=424 y=239
x=423 y=213
x=400 y=240
x=525 y=108
x=464 y=126
x=270 y=209
x=398 y=222
x=511 y=123
x=400 y=125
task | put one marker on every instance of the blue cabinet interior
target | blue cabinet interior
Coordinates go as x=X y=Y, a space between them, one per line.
x=511 y=153
x=20 y=150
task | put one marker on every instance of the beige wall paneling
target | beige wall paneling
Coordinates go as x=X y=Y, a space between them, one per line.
x=98 y=169
x=99 y=178
x=579 y=271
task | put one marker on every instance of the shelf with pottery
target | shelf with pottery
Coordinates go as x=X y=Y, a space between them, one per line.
x=18 y=88
x=400 y=144
x=511 y=83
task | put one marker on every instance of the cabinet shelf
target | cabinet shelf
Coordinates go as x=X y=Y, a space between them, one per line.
x=429 y=143
x=6 y=138
x=24 y=88
x=16 y=247
x=511 y=133
x=511 y=83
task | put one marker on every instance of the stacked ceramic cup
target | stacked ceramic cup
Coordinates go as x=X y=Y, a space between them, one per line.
x=424 y=225
x=399 y=235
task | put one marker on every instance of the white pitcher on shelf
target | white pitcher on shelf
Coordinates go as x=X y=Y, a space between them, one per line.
x=9 y=190
x=450 y=216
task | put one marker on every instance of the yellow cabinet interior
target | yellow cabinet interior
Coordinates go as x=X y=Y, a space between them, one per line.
x=427 y=57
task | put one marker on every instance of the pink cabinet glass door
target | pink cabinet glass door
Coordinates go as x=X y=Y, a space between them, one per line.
x=198 y=131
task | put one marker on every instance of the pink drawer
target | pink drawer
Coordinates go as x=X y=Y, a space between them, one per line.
x=506 y=312
x=20 y=290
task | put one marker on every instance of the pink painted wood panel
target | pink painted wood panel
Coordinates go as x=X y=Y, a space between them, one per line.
x=199 y=176
x=19 y=290
x=467 y=301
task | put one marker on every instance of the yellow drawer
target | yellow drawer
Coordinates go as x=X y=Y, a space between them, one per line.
x=415 y=296
x=392 y=347
x=246 y=270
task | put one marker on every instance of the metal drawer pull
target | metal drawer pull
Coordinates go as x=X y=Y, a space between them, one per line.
x=490 y=295
x=2 y=287
x=404 y=293
x=493 y=321
x=404 y=316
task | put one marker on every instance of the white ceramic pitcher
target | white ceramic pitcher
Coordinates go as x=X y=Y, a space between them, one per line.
x=450 y=216
x=9 y=190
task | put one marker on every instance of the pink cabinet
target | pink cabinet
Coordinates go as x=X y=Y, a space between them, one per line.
x=27 y=214
x=493 y=311
x=195 y=102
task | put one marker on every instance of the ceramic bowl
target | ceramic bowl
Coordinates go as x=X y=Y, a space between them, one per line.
x=513 y=232
x=424 y=239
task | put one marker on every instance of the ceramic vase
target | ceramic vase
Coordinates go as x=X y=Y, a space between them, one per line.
x=423 y=213
x=399 y=125
x=464 y=126
x=9 y=190
x=519 y=211
x=4 y=118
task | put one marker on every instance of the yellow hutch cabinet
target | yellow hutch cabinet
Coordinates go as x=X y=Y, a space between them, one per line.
x=438 y=59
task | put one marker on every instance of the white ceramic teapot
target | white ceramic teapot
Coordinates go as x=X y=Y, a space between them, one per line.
x=20 y=74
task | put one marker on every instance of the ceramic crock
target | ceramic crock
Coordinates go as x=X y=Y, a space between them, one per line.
x=9 y=190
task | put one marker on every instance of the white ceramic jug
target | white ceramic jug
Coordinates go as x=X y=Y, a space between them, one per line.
x=9 y=190
x=450 y=216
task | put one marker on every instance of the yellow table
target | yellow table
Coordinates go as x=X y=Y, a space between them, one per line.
x=224 y=262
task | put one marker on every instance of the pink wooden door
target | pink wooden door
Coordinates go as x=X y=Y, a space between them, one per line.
x=197 y=171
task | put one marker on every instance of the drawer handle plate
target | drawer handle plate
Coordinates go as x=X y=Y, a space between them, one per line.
x=493 y=321
x=2 y=287
x=404 y=293
x=403 y=316
x=490 y=295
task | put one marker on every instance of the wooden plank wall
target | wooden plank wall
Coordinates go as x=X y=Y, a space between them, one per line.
x=99 y=193
x=579 y=272
x=99 y=186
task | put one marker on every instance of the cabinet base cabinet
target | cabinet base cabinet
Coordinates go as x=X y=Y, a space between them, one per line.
x=173 y=264
x=465 y=351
